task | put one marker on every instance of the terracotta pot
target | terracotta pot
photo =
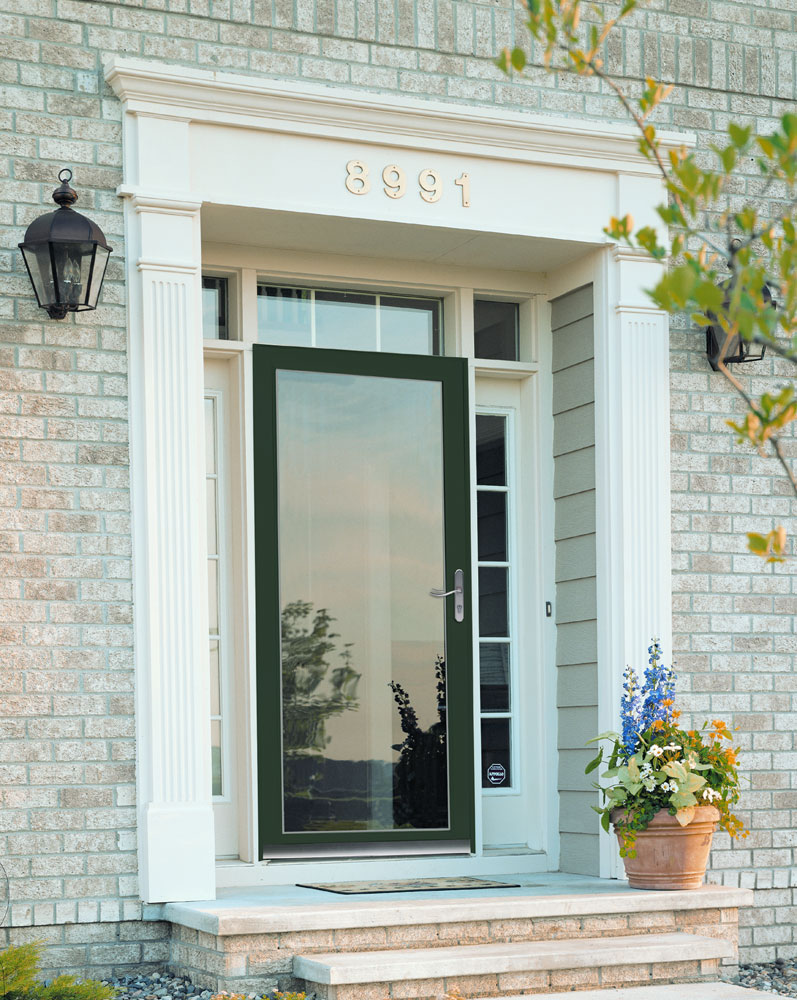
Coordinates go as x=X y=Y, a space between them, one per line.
x=668 y=855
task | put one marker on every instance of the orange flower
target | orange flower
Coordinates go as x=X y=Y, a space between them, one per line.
x=658 y=724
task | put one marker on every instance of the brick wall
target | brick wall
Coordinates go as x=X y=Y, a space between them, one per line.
x=67 y=832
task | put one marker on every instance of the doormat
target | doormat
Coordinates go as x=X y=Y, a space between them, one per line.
x=408 y=885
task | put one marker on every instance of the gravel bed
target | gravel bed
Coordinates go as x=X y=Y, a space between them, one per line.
x=164 y=986
x=157 y=986
x=779 y=976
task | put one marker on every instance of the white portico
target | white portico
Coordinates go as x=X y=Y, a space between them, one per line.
x=283 y=186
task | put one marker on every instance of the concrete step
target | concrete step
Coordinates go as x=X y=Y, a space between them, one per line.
x=523 y=967
x=681 y=991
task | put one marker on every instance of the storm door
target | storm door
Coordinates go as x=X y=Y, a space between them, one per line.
x=364 y=671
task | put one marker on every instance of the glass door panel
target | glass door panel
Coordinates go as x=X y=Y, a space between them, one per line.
x=360 y=668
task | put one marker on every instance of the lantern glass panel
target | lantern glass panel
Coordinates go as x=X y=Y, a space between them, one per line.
x=100 y=263
x=67 y=259
x=38 y=260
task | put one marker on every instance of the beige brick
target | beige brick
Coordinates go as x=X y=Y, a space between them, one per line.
x=417 y=988
x=523 y=982
x=675 y=970
x=474 y=986
x=574 y=979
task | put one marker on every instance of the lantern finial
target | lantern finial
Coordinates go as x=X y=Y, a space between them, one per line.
x=64 y=196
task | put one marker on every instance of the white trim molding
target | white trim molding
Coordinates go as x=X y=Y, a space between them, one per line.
x=294 y=107
x=632 y=459
x=176 y=838
x=278 y=151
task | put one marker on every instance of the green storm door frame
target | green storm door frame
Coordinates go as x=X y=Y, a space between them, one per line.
x=451 y=374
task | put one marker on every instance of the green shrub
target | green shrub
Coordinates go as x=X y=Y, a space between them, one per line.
x=19 y=968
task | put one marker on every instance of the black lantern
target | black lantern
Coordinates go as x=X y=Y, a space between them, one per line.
x=66 y=255
x=738 y=350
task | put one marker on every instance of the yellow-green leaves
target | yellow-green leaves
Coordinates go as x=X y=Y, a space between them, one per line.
x=771 y=547
x=704 y=208
x=739 y=135
x=514 y=58
x=767 y=418
x=653 y=94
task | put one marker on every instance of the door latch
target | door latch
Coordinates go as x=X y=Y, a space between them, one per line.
x=459 y=595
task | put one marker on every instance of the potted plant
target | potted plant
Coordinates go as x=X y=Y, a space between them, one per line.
x=666 y=787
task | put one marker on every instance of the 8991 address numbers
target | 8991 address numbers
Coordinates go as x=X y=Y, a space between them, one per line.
x=394 y=179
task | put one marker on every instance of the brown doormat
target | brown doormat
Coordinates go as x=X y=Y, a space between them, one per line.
x=408 y=885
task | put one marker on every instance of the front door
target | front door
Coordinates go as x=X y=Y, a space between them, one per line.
x=364 y=663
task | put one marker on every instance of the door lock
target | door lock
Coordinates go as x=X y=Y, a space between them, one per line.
x=459 y=595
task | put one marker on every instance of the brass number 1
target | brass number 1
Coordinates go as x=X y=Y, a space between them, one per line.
x=464 y=183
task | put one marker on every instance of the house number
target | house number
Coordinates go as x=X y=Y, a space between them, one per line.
x=394 y=180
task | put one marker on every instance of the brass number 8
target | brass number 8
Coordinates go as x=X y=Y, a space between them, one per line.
x=357 y=177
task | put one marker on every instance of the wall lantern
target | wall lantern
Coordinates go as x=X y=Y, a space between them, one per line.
x=738 y=349
x=66 y=255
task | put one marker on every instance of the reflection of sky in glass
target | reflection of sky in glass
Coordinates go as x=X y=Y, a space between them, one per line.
x=356 y=321
x=284 y=316
x=406 y=331
x=361 y=534
x=349 y=325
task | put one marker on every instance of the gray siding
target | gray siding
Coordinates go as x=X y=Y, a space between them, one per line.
x=576 y=613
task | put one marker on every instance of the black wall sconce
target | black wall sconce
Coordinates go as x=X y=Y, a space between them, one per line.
x=738 y=350
x=66 y=255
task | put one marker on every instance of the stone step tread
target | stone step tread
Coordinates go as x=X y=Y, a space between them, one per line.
x=338 y=968
x=257 y=912
x=681 y=991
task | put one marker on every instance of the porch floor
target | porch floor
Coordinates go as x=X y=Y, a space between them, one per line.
x=264 y=908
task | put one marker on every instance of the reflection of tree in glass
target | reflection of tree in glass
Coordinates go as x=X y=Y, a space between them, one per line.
x=420 y=786
x=307 y=642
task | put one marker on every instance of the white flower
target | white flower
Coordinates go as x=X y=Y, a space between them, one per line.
x=655 y=751
x=673 y=748
x=669 y=786
x=710 y=794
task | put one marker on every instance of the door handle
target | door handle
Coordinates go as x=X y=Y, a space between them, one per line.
x=458 y=591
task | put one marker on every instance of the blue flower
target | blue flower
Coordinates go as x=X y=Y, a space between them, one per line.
x=641 y=707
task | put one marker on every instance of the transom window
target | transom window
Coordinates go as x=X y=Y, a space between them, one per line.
x=353 y=321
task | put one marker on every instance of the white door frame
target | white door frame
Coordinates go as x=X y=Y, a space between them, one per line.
x=193 y=137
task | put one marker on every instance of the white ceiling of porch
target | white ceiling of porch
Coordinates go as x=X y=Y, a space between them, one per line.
x=385 y=240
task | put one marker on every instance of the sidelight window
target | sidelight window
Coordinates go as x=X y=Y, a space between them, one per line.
x=493 y=513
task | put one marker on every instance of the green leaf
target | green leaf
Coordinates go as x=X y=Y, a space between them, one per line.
x=605 y=821
x=594 y=763
x=608 y=735
x=739 y=136
x=709 y=296
x=518 y=59
x=728 y=158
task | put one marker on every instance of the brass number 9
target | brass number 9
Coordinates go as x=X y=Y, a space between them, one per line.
x=394 y=188
x=357 y=177
x=431 y=188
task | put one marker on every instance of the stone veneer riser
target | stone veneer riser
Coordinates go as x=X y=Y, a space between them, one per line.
x=96 y=950
x=69 y=834
x=527 y=983
x=245 y=962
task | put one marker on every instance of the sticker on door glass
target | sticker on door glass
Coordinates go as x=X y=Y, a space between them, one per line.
x=496 y=774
